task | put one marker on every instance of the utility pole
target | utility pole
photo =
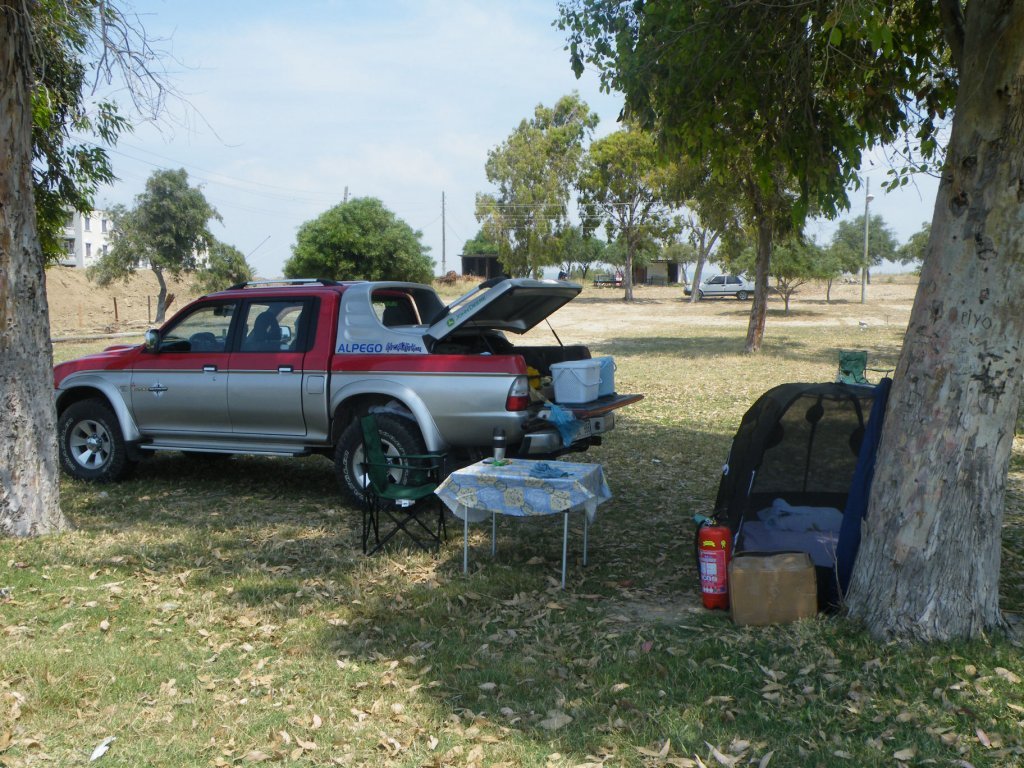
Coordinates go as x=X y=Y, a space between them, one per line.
x=444 y=266
x=868 y=197
x=345 y=198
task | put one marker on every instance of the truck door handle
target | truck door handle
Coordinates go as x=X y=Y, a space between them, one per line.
x=285 y=369
x=209 y=369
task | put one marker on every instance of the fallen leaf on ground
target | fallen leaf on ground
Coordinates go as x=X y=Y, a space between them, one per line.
x=555 y=720
x=101 y=748
x=722 y=759
x=1007 y=675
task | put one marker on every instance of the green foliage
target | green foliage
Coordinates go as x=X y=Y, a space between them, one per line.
x=577 y=251
x=796 y=261
x=848 y=243
x=166 y=230
x=535 y=170
x=68 y=168
x=480 y=245
x=679 y=252
x=801 y=88
x=225 y=266
x=772 y=98
x=359 y=240
x=737 y=251
x=914 y=249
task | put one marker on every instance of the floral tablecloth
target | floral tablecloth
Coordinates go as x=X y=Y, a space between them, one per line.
x=482 y=489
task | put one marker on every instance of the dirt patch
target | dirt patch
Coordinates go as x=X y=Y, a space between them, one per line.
x=599 y=313
x=79 y=306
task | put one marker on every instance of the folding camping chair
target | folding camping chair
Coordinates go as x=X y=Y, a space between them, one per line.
x=853 y=367
x=402 y=487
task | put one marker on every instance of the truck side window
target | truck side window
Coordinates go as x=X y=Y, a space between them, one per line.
x=205 y=330
x=395 y=308
x=273 y=326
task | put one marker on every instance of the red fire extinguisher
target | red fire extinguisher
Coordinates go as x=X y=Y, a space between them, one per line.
x=714 y=549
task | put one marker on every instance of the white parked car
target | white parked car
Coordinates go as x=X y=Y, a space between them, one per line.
x=724 y=285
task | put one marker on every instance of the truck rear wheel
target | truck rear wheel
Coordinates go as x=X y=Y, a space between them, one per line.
x=91 y=444
x=400 y=436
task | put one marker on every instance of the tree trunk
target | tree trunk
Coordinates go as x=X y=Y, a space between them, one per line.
x=627 y=278
x=29 y=490
x=697 y=270
x=759 y=310
x=929 y=565
x=161 y=297
x=828 y=291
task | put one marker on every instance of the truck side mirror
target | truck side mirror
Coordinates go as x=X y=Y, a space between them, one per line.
x=152 y=340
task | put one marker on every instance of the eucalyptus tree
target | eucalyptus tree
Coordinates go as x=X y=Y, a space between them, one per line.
x=808 y=87
x=52 y=53
x=710 y=210
x=166 y=231
x=535 y=171
x=626 y=183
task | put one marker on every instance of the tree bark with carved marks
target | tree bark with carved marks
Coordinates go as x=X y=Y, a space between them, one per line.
x=29 y=493
x=929 y=564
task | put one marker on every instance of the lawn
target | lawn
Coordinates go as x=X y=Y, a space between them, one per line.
x=216 y=613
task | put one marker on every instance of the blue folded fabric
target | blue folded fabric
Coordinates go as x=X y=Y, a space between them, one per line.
x=546 y=470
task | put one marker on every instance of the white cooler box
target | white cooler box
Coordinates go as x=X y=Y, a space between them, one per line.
x=577 y=381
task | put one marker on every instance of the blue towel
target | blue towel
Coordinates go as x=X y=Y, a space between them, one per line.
x=567 y=424
x=546 y=470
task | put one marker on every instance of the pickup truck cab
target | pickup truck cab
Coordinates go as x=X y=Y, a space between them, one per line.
x=287 y=368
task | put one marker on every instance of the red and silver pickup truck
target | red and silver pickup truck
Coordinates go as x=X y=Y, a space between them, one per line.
x=286 y=369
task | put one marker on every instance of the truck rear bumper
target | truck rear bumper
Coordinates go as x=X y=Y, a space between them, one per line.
x=549 y=444
x=592 y=420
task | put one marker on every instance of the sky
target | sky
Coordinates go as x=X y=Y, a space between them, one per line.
x=286 y=106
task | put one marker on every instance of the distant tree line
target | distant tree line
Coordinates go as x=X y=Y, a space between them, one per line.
x=647 y=207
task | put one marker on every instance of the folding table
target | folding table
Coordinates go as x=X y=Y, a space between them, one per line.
x=523 y=488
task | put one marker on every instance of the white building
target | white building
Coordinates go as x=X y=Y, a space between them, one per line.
x=86 y=237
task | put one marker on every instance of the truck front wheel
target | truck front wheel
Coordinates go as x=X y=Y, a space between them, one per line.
x=399 y=437
x=91 y=444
